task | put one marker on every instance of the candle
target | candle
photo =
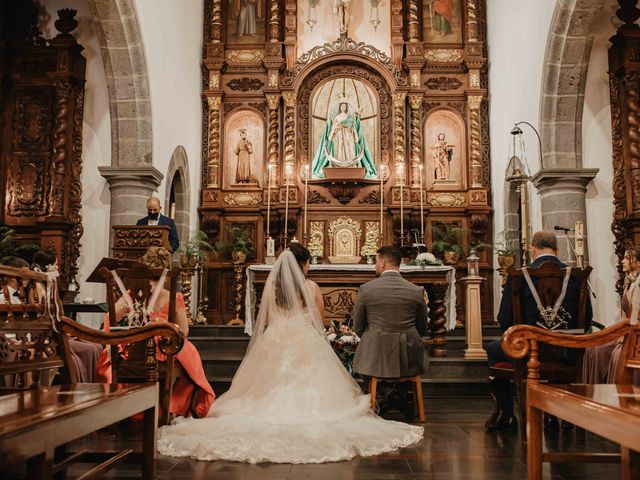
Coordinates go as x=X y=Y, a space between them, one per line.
x=421 y=208
x=287 y=173
x=381 y=205
x=401 y=174
x=306 y=194
x=269 y=199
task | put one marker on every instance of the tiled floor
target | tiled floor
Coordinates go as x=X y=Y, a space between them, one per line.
x=455 y=446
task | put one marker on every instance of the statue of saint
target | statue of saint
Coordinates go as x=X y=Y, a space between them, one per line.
x=244 y=149
x=343 y=144
x=341 y=9
x=246 y=11
x=442 y=154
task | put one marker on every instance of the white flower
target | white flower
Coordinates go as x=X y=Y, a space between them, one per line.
x=426 y=257
x=347 y=339
x=331 y=337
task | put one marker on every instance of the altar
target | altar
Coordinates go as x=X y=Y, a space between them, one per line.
x=340 y=283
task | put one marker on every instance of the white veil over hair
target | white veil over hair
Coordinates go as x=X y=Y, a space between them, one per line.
x=286 y=298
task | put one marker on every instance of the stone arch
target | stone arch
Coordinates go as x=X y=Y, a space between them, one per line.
x=178 y=181
x=563 y=81
x=125 y=67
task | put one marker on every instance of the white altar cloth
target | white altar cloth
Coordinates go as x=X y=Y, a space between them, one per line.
x=450 y=296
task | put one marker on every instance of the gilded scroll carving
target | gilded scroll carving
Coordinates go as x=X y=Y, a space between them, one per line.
x=245 y=84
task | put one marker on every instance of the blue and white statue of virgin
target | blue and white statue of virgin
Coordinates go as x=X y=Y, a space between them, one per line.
x=343 y=144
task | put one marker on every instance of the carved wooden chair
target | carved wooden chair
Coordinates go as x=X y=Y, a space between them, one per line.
x=34 y=341
x=547 y=280
x=135 y=362
x=595 y=412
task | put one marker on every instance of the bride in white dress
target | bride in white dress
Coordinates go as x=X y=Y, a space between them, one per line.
x=291 y=400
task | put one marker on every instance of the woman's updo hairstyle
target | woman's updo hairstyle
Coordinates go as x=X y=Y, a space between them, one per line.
x=300 y=252
x=157 y=258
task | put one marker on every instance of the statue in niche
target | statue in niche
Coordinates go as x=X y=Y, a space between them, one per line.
x=343 y=143
x=341 y=9
x=245 y=13
x=442 y=154
x=244 y=149
x=440 y=16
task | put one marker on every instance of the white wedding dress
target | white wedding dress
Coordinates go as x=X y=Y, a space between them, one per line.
x=291 y=400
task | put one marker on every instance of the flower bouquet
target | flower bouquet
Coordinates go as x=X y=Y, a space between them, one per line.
x=139 y=316
x=426 y=259
x=344 y=342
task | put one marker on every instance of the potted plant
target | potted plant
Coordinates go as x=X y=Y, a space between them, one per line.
x=9 y=247
x=193 y=250
x=447 y=241
x=239 y=244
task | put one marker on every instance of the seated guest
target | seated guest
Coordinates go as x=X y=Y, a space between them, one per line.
x=83 y=354
x=600 y=362
x=191 y=395
x=390 y=314
x=544 y=248
x=155 y=218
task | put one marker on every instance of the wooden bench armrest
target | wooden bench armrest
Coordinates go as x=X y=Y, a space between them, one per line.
x=170 y=339
x=516 y=341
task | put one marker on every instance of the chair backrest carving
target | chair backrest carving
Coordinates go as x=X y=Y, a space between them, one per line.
x=31 y=344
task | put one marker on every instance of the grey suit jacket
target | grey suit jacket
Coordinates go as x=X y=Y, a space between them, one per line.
x=390 y=315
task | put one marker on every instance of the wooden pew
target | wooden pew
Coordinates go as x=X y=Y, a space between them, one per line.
x=37 y=420
x=611 y=411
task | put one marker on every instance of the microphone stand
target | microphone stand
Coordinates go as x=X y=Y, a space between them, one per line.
x=575 y=254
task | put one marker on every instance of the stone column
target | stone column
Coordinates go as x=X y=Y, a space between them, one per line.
x=130 y=188
x=562 y=199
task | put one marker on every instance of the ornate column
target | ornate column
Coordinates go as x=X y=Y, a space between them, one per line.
x=399 y=139
x=472 y=20
x=289 y=137
x=274 y=20
x=216 y=21
x=473 y=102
x=213 y=153
x=273 y=101
x=397 y=32
x=290 y=31
x=60 y=133
x=413 y=23
x=415 y=102
x=624 y=87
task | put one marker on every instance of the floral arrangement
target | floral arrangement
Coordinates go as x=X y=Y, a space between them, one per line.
x=368 y=250
x=426 y=259
x=344 y=342
x=138 y=317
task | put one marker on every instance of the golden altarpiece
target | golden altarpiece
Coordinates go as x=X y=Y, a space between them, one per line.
x=309 y=114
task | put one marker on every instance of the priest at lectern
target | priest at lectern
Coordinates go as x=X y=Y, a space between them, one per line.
x=155 y=218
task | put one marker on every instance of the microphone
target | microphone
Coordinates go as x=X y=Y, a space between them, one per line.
x=562 y=229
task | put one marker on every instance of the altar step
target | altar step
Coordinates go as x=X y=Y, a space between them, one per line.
x=223 y=347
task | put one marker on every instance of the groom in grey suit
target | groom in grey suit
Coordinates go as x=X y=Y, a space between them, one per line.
x=390 y=316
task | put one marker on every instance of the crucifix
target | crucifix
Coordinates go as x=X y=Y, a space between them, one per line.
x=341 y=9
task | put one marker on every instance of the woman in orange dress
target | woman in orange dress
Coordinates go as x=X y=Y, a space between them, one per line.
x=191 y=395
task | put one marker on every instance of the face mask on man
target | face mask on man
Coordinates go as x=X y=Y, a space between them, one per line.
x=153 y=215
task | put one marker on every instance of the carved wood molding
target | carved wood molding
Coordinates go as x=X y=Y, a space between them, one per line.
x=340 y=47
x=243 y=199
x=245 y=84
x=443 y=83
x=363 y=72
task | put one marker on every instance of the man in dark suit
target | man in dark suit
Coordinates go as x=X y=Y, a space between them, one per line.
x=544 y=248
x=154 y=218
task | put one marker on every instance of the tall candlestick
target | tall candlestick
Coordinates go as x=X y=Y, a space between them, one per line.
x=421 y=208
x=306 y=194
x=381 y=205
x=401 y=173
x=286 y=203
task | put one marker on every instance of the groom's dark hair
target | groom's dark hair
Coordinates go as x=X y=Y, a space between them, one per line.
x=392 y=255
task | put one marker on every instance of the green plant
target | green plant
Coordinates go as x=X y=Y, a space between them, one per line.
x=507 y=244
x=447 y=237
x=239 y=240
x=196 y=246
x=9 y=247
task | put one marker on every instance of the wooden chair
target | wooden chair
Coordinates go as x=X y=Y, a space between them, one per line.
x=138 y=362
x=548 y=280
x=416 y=382
x=611 y=411
x=34 y=341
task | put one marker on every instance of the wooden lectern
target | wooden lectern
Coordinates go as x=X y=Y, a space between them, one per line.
x=132 y=241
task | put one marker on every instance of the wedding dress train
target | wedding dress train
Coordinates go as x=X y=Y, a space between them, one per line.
x=291 y=400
